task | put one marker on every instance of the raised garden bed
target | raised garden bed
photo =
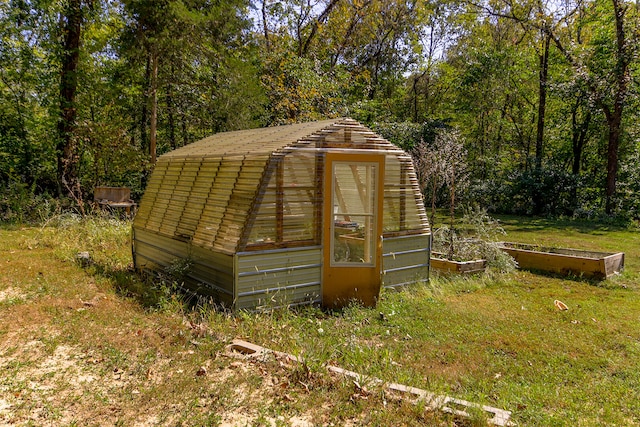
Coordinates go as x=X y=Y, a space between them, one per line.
x=599 y=265
x=440 y=263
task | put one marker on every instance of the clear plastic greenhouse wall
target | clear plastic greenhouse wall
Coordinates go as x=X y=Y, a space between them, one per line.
x=322 y=212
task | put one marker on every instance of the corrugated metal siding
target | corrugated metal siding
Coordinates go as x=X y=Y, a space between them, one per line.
x=405 y=259
x=211 y=272
x=267 y=279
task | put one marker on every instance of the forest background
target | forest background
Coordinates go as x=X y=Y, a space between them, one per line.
x=541 y=95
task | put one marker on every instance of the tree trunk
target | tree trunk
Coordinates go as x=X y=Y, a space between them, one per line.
x=183 y=126
x=145 y=113
x=154 y=104
x=542 y=106
x=578 y=138
x=614 y=118
x=579 y=132
x=66 y=149
x=614 y=121
x=542 y=99
x=316 y=23
x=414 y=90
x=265 y=26
x=171 y=111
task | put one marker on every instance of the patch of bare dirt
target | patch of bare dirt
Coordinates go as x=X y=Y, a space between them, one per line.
x=11 y=293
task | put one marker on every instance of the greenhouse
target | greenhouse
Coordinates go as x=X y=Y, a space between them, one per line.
x=321 y=212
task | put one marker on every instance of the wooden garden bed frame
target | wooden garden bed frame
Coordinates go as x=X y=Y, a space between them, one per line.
x=440 y=263
x=599 y=265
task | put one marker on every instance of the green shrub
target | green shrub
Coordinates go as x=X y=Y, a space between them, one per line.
x=19 y=204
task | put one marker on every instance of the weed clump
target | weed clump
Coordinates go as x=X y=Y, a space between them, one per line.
x=478 y=236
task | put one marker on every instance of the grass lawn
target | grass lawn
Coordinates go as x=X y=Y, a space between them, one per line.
x=98 y=345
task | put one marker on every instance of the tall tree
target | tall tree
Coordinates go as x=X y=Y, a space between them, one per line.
x=27 y=157
x=608 y=78
x=68 y=181
x=603 y=60
x=543 y=76
x=492 y=69
x=435 y=34
x=152 y=25
x=192 y=62
x=625 y=50
x=361 y=48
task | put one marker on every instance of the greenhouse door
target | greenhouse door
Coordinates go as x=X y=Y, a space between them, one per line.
x=352 y=232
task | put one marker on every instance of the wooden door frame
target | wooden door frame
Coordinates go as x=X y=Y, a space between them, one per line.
x=342 y=283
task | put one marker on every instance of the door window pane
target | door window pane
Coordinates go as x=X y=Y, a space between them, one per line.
x=354 y=206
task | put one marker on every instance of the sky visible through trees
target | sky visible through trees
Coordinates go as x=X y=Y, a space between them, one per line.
x=543 y=95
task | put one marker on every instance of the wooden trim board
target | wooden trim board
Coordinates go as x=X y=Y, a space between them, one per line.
x=461 y=267
x=431 y=401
